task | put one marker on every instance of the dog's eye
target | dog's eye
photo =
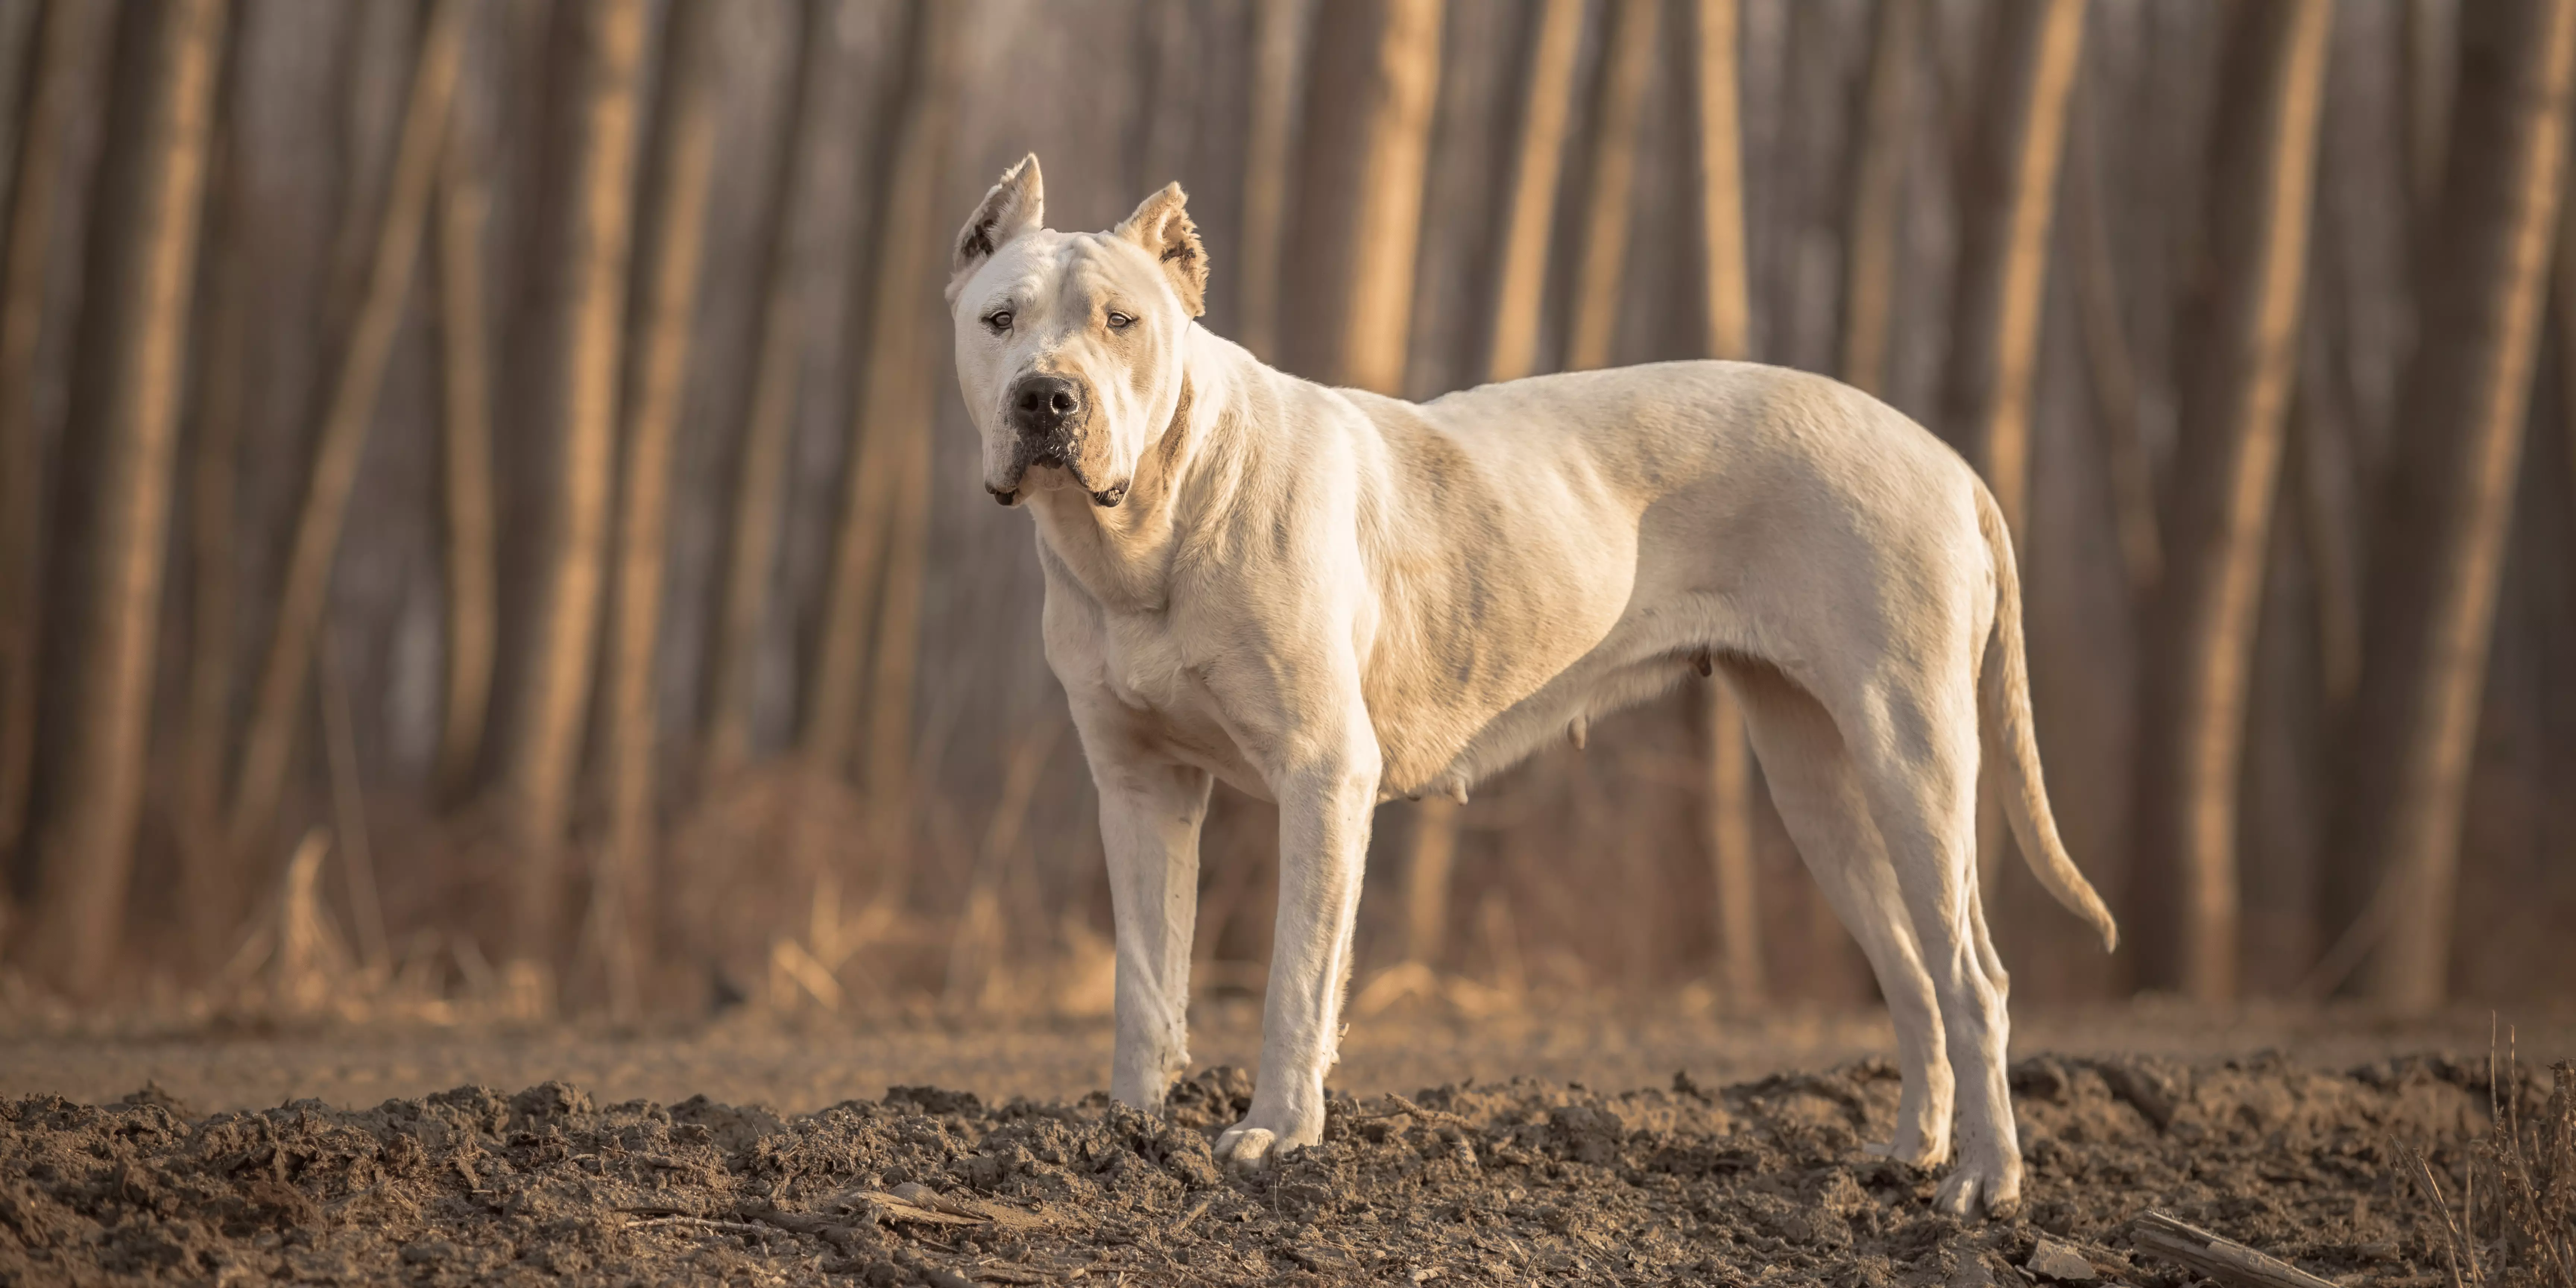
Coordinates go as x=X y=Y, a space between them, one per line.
x=1119 y=321
x=999 y=320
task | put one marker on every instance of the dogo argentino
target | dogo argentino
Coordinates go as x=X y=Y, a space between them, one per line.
x=1329 y=599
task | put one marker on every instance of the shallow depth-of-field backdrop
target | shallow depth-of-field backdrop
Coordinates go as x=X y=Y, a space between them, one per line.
x=486 y=521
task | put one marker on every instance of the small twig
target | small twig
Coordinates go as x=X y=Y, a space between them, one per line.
x=338 y=1204
x=707 y=1222
x=2215 y=1256
x=1404 y=1107
x=921 y=1207
x=1197 y=1210
x=2441 y=1207
x=993 y=1274
x=813 y=1223
x=2469 y=1216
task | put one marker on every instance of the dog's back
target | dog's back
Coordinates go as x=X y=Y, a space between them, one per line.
x=1552 y=549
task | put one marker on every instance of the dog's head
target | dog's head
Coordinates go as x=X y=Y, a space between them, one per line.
x=1069 y=344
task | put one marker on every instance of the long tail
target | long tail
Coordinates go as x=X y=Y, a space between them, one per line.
x=2004 y=689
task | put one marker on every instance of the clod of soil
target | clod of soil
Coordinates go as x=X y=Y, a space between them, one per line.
x=1512 y=1183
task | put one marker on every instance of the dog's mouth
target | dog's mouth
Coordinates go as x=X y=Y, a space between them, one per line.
x=1053 y=467
x=1049 y=467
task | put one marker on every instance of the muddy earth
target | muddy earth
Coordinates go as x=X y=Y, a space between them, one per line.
x=1516 y=1183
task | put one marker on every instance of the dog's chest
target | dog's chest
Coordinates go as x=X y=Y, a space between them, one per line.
x=1141 y=661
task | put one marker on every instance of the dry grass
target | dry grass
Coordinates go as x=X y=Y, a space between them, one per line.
x=294 y=966
x=2514 y=1224
x=767 y=890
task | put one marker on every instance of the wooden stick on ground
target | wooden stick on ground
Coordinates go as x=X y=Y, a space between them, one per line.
x=2211 y=1256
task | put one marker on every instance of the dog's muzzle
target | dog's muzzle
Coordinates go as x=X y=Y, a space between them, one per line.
x=1047 y=414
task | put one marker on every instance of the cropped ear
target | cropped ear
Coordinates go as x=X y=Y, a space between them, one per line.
x=1162 y=226
x=1014 y=206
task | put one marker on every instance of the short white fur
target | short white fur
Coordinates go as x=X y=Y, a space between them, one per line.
x=1329 y=599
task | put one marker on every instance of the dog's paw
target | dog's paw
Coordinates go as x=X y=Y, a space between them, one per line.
x=1973 y=1190
x=1246 y=1148
x=1267 y=1133
x=1917 y=1152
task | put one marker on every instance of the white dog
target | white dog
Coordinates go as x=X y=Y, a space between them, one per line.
x=1330 y=599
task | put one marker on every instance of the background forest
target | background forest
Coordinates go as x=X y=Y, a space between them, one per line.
x=485 y=524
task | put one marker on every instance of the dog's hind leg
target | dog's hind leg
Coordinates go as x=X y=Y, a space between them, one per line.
x=1987 y=958
x=1912 y=729
x=1821 y=801
x=1149 y=827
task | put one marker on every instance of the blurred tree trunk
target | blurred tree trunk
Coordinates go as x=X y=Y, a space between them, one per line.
x=884 y=525
x=2321 y=436
x=2427 y=82
x=209 y=878
x=1719 y=103
x=465 y=456
x=269 y=743
x=2563 y=300
x=1529 y=220
x=1878 y=180
x=1172 y=46
x=1267 y=151
x=837 y=689
x=2110 y=359
x=621 y=889
x=86 y=850
x=1610 y=190
x=770 y=421
x=2245 y=329
x=65 y=55
x=348 y=802
x=1520 y=289
x=1426 y=880
x=601 y=206
x=2449 y=496
x=21 y=60
x=1374 y=77
x=378 y=59
x=902 y=402
x=1727 y=300
x=2011 y=194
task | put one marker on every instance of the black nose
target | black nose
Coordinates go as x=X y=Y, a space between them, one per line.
x=1046 y=407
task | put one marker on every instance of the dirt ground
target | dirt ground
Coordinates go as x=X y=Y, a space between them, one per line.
x=1563 y=1149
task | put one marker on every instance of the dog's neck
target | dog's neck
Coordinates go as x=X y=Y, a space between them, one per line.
x=1123 y=554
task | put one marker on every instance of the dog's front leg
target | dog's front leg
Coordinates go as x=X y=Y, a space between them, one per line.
x=1149 y=825
x=1324 y=813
